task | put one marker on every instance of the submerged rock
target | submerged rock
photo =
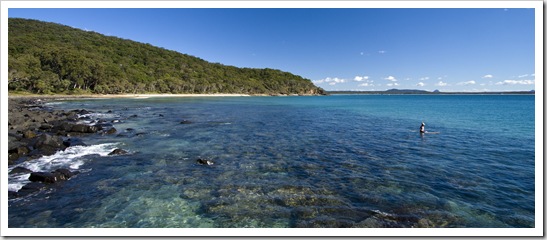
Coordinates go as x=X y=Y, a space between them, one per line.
x=111 y=131
x=74 y=142
x=65 y=172
x=45 y=177
x=30 y=188
x=19 y=170
x=51 y=177
x=185 y=122
x=117 y=151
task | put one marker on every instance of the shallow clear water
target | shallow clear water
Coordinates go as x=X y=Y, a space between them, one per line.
x=329 y=161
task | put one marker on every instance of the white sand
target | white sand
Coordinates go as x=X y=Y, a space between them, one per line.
x=129 y=95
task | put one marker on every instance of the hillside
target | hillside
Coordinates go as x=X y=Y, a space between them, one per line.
x=53 y=58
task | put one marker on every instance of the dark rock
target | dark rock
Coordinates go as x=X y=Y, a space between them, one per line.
x=93 y=129
x=111 y=131
x=51 y=177
x=185 y=122
x=133 y=116
x=19 y=170
x=82 y=112
x=45 y=177
x=12 y=157
x=65 y=126
x=65 y=172
x=117 y=151
x=72 y=116
x=29 y=134
x=205 y=162
x=13 y=136
x=82 y=128
x=18 y=148
x=46 y=126
x=74 y=142
x=129 y=129
x=47 y=151
x=47 y=140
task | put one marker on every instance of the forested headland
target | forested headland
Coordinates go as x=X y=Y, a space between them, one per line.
x=49 y=58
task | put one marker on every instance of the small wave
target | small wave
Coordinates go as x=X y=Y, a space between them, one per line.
x=71 y=158
x=99 y=115
x=53 y=103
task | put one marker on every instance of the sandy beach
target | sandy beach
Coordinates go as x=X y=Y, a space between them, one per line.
x=58 y=96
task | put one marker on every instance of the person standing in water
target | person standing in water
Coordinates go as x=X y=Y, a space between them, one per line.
x=422 y=128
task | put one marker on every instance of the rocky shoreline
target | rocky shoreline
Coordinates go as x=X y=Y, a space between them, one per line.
x=36 y=130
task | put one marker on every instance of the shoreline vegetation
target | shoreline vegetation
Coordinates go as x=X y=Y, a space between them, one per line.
x=50 y=58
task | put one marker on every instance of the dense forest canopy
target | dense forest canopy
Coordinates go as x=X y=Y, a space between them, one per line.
x=53 y=58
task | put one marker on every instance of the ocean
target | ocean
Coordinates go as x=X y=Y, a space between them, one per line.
x=294 y=162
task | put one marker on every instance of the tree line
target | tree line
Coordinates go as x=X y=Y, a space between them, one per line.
x=47 y=58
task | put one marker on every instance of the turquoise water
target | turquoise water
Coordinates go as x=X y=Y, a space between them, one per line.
x=326 y=161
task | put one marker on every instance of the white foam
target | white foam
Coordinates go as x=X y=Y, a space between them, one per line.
x=99 y=115
x=71 y=158
x=53 y=103
x=16 y=182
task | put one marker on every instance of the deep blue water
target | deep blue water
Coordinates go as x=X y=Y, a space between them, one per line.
x=326 y=161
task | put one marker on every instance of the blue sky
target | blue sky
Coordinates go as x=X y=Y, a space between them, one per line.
x=460 y=49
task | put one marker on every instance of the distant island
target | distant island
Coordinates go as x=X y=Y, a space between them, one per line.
x=50 y=58
x=415 y=91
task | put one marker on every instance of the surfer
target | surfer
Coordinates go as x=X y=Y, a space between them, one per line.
x=422 y=128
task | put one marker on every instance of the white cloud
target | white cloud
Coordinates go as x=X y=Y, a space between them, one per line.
x=441 y=84
x=319 y=81
x=360 y=78
x=424 y=78
x=331 y=81
x=420 y=84
x=367 y=84
x=392 y=84
x=515 y=82
x=488 y=76
x=391 y=78
x=381 y=52
x=467 y=83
